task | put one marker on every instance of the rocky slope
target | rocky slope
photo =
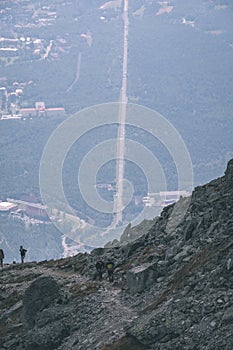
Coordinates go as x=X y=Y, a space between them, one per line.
x=172 y=288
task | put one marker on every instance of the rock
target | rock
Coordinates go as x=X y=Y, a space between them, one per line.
x=213 y=324
x=229 y=173
x=181 y=255
x=229 y=264
x=14 y=308
x=48 y=337
x=228 y=315
x=40 y=294
x=189 y=230
x=141 y=277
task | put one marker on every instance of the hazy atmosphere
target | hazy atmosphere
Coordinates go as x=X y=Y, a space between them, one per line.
x=109 y=112
x=116 y=186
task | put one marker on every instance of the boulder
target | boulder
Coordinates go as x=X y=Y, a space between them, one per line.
x=141 y=277
x=43 y=292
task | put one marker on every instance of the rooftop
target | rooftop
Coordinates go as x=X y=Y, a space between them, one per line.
x=5 y=206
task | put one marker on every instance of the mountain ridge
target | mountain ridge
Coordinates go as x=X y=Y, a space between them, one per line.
x=172 y=288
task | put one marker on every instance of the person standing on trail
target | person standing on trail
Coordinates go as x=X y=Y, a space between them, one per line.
x=110 y=268
x=100 y=268
x=1 y=257
x=22 y=253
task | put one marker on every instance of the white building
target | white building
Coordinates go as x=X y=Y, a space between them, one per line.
x=7 y=207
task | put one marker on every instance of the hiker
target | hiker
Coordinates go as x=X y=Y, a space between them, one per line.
x=1 y=257
x=22 y=253
x=110 y=268
x=100 y=268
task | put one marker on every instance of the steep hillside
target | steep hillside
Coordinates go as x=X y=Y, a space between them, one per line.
x=172 y=288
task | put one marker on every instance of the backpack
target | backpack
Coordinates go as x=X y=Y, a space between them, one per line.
x=110 y=265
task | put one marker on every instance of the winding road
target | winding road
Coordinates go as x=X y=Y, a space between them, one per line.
x=77 y=72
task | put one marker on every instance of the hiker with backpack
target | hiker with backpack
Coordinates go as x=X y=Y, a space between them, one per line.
x=22 y=253
x=110 y=269
x=1 y=257
x=100 y=268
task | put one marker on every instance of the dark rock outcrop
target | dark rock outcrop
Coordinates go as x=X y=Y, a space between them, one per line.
x=40 y=294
